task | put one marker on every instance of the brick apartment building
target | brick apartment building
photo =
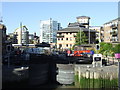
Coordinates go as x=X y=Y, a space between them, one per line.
x=111 y=31
x=66 y=37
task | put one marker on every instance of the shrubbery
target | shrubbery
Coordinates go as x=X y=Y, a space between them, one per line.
x=108 y=49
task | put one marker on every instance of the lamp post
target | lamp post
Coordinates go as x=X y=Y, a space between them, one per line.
x=89 y=36
x=117 y=56
x=80 y=33
x=119 y=74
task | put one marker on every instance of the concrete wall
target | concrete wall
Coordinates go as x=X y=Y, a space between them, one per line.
x=97 y=72
x=0 y=57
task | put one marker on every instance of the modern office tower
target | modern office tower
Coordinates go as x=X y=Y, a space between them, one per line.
x=111 y=31
x=22 y=35
x=48 y=31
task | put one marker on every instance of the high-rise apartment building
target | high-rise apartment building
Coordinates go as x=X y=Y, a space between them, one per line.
x=111 y=31
x=48 y=31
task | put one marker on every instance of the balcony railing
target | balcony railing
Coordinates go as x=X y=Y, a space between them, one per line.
x=114 y=26
x=114 y=33
x=114 y=40
x=75 y=35
x=60 y=36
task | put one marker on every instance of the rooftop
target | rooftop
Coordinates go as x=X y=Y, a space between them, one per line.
x=76 y=24
x=75 y=29
x=83 y=17
x=2 y=27
x=112 y=21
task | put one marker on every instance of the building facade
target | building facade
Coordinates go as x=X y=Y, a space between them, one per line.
x=84 y=20
x=48 y=31
x=3 y=41
x=12 y=38
x=33 y=39
x=22 y=35
x=66 y=37
x=99 y=32
x=111 y=31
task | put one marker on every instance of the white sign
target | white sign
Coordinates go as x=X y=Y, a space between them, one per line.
x=97 y=60
x=97 y=55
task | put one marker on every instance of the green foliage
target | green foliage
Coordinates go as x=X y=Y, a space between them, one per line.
x=96 y=83
x=73 y=47
x=83 y=39
x=117 y=48
x=97 y=40
x=106 y=49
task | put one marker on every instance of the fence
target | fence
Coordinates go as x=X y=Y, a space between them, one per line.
x=96 y=79
x=111 y=60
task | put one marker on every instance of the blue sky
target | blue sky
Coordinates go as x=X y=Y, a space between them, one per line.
x=30 y=13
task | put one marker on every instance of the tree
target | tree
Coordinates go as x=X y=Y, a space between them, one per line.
x=117 y=48
x=106 y=49
x=82 y=40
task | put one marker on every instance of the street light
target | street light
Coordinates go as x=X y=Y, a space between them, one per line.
x=117 y=56
x=80 y=33
x=89 y=36
x=119 y=73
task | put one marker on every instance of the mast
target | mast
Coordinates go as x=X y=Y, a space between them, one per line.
x=21 y=32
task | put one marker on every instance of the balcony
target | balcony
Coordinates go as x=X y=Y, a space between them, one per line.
x=75 y=35
x=114 y=40
x=114 y=26
x=60 y=36
x=114 y=33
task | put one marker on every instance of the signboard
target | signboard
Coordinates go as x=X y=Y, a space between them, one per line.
x=97 y=60
x=97 y=55
x=97 y=46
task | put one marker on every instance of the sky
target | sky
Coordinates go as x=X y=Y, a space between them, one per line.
x=30 y=13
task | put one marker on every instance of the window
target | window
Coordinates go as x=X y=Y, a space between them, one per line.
x=70 y=39
x=60 y=33
x=66 y=45
x=58 y=38
x=61 y=38
x=70 y=45
x=66 y=38
x=60 y=45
